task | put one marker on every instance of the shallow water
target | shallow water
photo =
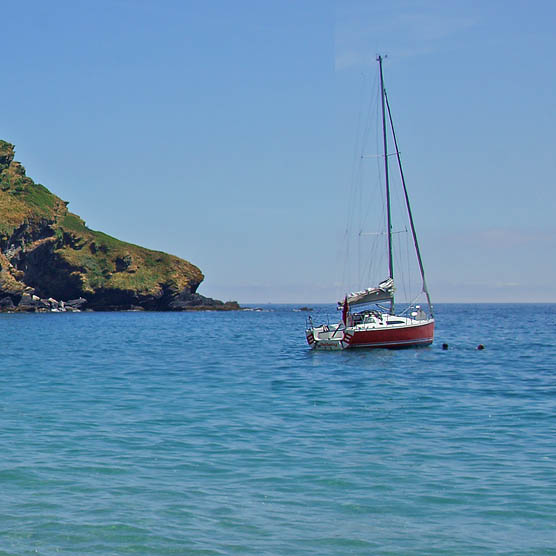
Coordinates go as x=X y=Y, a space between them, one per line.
x=208 y=433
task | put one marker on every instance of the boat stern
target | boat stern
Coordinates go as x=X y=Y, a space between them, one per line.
x=330 y=338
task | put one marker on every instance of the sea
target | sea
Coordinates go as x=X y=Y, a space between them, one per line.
x=223 y=433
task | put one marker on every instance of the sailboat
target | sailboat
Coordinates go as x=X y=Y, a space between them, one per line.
x=370 y=317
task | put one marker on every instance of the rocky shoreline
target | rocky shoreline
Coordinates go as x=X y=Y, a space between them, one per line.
x=28 y=302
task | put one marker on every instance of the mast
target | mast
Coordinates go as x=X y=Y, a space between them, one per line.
x=412 y=225
x=387 y=180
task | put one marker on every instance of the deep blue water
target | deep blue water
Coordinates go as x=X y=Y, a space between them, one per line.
x=222 y=433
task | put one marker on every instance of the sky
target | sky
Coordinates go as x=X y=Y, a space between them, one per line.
x=224 y=133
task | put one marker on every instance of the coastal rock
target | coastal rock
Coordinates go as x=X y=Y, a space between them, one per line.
x=32 y=303
x=75 y=303
x=6 y=304
x=48 y=252
x=191 y=301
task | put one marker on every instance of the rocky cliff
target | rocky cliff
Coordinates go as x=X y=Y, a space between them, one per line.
x=49 y=259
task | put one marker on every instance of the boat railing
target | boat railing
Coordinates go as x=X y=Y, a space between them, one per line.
x=332 y=329
x=415 y=311
x=310 y=324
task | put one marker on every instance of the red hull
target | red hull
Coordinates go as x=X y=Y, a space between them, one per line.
x=418 y=335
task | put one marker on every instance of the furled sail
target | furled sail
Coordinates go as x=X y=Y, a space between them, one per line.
x=383 y=292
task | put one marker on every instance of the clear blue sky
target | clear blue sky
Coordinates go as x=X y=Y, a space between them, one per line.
x=222 y=132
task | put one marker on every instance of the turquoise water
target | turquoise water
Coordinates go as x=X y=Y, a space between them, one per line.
x=211 y=434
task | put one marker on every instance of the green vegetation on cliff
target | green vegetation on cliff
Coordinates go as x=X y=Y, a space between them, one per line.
x=106 y=262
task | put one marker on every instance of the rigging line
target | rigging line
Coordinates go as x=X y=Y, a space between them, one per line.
x=400 y=271
x=382 y=233
x=356 y=146
x=367 y=197
x=406 y=266
x=370 y=121
x=376 y=264
x=411 y=304
x=379 y=164
x=378 y=155
x=373 y=116
x=359 y=259
x=418 y=251
x=364 y=140
x=407 y=269
x=370 y=278
x=362 y=204
x=385 y=142
x=353 y=206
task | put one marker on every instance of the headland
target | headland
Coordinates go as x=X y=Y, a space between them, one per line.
x=51 y=261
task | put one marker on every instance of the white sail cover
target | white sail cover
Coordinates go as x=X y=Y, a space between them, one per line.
x=383 y=292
